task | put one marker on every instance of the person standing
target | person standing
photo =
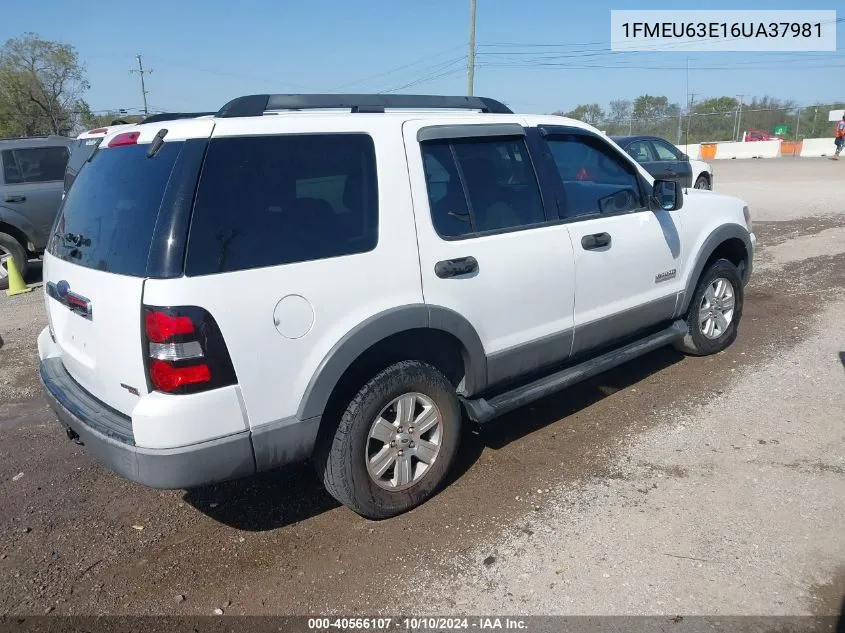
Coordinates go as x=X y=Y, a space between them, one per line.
x=840 y=138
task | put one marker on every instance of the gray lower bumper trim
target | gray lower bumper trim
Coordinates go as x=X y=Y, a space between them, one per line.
x=185 y=467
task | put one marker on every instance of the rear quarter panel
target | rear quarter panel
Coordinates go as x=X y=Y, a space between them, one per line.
x=273 y=370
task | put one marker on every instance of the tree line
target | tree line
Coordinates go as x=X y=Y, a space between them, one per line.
x=712 y=119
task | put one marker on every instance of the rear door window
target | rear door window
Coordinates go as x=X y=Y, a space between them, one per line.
x=271 y=200
x=641 y=152
x=481 y=184
x=109 y=215
x=34 y=164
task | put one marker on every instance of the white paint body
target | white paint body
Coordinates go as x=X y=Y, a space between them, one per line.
x=532 y=283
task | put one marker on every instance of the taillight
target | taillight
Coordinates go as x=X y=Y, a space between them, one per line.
x=161 y=326
x=185 y=351
x=125 y=138
x=99 y=130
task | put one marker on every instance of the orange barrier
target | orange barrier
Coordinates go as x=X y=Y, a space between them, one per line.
x=708 y=151
x=790 y=148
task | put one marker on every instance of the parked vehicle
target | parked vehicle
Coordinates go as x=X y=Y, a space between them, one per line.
x=87 y=142
x=226 y=295
x=663 y=160
x=30 y=195
x=759 y=135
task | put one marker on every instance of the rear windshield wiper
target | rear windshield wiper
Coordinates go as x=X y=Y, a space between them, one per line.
x=73 y=239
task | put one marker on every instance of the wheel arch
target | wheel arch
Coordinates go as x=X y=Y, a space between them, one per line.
x=441 y=335
x=20 y=236
x=728 y=241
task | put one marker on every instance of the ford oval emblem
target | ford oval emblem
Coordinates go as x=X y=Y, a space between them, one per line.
x=62 y=288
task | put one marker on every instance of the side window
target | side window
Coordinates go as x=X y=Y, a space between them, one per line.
x=664 y=152
x=270 y=200
x=446 y=199
x=641 y=152
x=11 y=171
x=595 y=179
x=481 y=184
x=40 y=164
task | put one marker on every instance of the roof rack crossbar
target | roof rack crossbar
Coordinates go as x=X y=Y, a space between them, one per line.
x=171 y=116
x=257 y=105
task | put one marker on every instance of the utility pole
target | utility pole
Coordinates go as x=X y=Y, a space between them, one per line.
x=471 y=56
x=739 y=118
x=680 y=114
x=690 y=102
x=140 y=70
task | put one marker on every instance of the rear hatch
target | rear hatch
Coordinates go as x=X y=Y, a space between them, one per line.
x=124 y=220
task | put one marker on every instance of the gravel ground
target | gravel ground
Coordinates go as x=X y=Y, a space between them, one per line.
x=668 y=485
x=735 y=508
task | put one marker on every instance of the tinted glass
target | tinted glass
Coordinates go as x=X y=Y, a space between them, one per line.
x=270 y=200
x=79 y=153
x=108 y=216
x=11 y=171
x=446 y=199
x=498 y=182
x=664 y=152
x=37 y=164
x=595 y=179
x=640 y=151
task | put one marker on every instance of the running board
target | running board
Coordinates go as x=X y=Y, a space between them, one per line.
x=481 y=410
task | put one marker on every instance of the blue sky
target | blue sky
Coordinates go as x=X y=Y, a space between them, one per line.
x=202 y=57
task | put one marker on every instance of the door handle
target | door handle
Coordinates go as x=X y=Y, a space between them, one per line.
x=455 y=267
x=15 y=198
x=594 y=241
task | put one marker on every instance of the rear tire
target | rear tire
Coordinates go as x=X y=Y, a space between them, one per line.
x=714 y=311
x=359 y=465
x=10 y=246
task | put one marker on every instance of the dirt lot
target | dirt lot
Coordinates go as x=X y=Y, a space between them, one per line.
x=670 y=485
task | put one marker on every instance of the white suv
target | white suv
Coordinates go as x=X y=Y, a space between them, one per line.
x=284 y=281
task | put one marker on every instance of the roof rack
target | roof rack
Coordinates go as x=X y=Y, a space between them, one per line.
x=172 y=116
x=257 y=105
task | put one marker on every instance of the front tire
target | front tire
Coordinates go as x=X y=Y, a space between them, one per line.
x=714 y=311
x=10 y=247
x=395 y=443
x=702 y=182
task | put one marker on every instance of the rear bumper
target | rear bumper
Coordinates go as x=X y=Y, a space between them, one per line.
x=103 y=431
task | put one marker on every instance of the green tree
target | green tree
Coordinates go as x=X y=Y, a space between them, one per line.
x=41 y=86
x=654 y=107
x=590 y=113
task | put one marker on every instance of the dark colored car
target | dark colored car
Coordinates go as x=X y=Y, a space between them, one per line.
x=31 y=179
x=665 y=161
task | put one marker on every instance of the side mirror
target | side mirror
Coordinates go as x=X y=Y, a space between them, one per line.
x=668 y=195
x=684 y=157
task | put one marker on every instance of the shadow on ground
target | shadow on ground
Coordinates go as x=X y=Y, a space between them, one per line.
x=285 y=496
x=34 y=272
x=842 y=358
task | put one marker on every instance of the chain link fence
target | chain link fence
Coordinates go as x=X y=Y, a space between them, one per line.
x=703 y=127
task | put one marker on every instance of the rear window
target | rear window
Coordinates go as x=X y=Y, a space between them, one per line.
x=270 y=200
x=79 y=153
x=108 y=217
x=34 y=164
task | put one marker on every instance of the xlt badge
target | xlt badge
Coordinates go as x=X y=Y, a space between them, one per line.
x=665 y=276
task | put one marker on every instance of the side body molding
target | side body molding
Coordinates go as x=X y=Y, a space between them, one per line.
x=377 y=328
x=718 y=236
